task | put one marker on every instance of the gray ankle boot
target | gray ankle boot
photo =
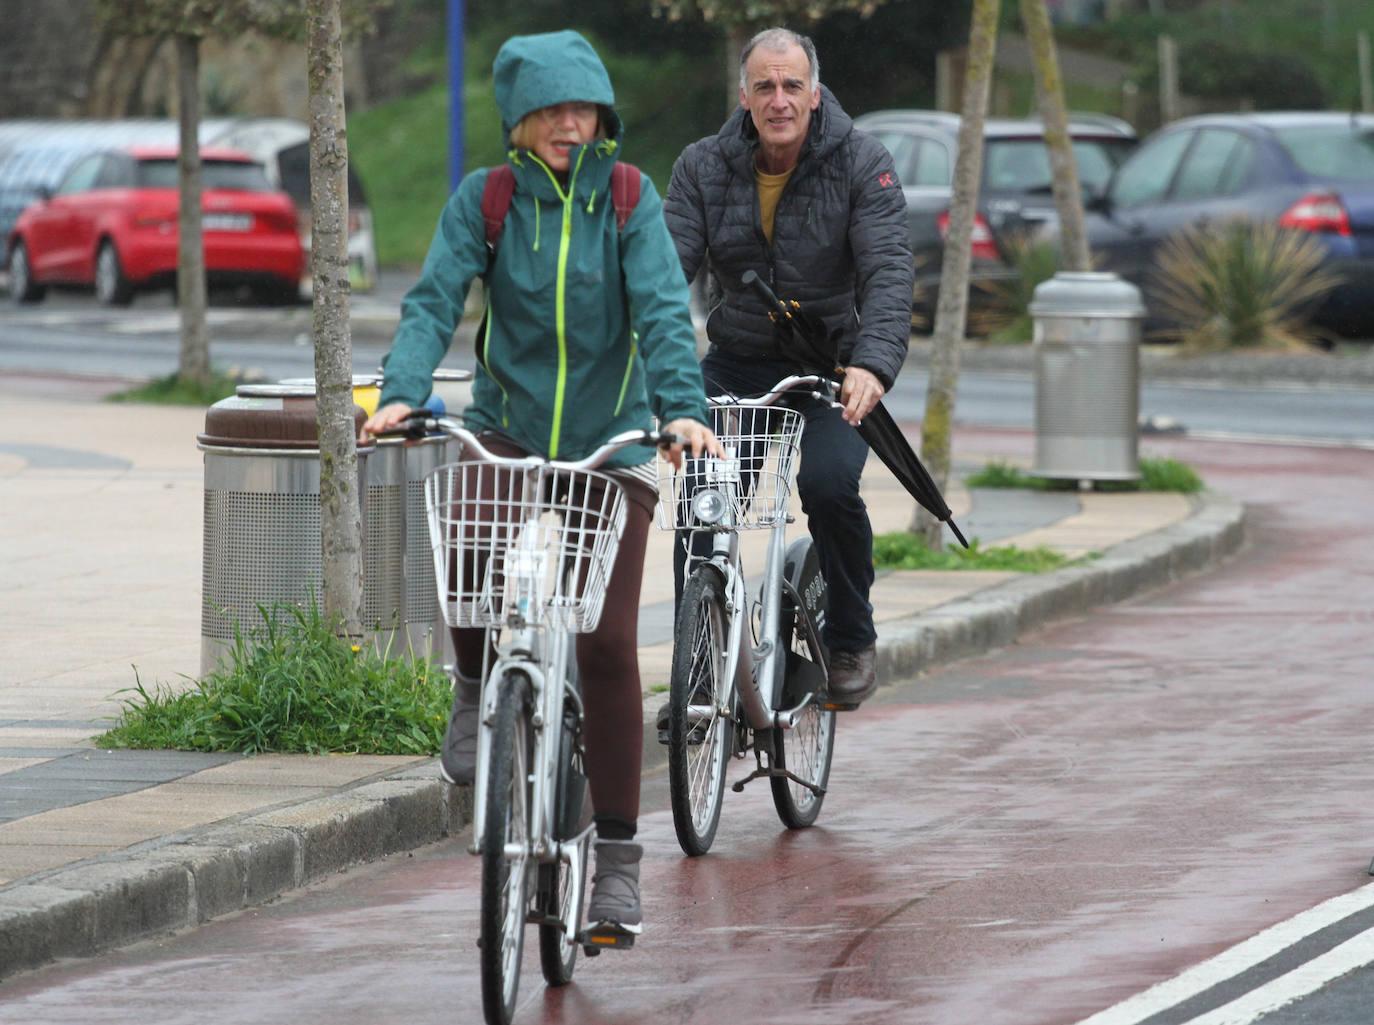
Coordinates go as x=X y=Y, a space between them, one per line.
x=458 y=756
x=615 y=886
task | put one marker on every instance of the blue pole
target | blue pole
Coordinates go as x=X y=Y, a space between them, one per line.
x=455 y=93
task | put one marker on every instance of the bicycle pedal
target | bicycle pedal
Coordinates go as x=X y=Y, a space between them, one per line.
x=607 y=936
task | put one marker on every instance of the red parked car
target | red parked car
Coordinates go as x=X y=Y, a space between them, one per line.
x=112 y=224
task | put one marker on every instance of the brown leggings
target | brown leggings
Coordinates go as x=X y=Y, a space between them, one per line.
x=608 y=662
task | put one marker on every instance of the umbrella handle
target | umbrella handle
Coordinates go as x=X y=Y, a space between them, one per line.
x=750 y=279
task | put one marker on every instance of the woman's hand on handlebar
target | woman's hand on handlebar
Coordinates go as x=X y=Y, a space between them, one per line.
x=388 y=416
x=695 y=436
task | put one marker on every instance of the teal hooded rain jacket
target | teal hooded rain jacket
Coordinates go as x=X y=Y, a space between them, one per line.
x=588 y=328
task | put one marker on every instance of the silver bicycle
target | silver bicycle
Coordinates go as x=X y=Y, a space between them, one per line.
x=749 y=668
x=523 y=548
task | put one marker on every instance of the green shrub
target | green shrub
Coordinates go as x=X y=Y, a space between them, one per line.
x=1155 y=475
x=1240 y=284
x=905 y=550
x=294 y=686
x=173 y=391
x=1007 y=317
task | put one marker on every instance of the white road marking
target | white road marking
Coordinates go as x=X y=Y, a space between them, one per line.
x=1245 y=955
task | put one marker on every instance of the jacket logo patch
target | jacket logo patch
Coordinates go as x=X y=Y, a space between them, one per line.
x=885 y=179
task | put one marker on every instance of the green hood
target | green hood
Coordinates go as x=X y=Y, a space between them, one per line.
x=533 y=72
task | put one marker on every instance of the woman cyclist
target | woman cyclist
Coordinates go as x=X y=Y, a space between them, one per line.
x=587 y=334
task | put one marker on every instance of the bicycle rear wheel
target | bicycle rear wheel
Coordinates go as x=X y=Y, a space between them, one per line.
x=699 y=736
x=804 y=750
x=557 y=882
x=505 y=849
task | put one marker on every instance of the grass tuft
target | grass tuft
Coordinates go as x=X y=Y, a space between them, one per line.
x=173 y=391
x=1155 y=475
x=904 y=550
x=293 y=686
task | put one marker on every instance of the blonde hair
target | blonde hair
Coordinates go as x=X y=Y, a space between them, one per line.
x=521 y=137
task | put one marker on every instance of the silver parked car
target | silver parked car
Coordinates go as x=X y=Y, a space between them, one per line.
x=1014 y=197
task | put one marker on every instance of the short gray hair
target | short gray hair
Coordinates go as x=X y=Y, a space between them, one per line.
x=779 y=40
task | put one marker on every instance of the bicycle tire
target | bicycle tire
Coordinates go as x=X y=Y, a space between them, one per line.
x=805 y=750
x=555 y=884
x=505 y=881
x=698 y=750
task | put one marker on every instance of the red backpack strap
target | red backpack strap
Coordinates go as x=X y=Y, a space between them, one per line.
x=624 y=192
x=496 y=197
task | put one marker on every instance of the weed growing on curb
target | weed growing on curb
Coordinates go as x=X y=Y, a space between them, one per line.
x=1155 y=475
x=293 y=686
x=904 y=550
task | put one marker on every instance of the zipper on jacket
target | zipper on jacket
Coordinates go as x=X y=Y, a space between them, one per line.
x=560 y=297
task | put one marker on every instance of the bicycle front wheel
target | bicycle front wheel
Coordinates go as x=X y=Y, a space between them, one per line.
x=506 y=849
x=557 y=884
x=699 y=735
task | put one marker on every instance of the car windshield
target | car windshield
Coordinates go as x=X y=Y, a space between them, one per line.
x=1338 y=151
x=215 y=174
x=1023 y=165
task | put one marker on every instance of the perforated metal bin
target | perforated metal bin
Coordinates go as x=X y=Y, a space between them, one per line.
x=261 y=541
x=1087 y=377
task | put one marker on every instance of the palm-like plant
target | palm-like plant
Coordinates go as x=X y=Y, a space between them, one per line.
x=1242 y=284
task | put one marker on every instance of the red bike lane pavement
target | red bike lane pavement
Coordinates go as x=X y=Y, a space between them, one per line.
x=1023 y=838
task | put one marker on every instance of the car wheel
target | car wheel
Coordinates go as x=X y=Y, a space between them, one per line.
x=112 y=288
x=22 y=286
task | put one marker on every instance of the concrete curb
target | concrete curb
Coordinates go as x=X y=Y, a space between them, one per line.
x=181 y=881
x=998 y=616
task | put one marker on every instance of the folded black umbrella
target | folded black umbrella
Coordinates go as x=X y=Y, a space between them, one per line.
x=884 y=437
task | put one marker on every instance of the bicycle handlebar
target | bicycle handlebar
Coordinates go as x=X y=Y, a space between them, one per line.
x=422 y=422
x=821 y=388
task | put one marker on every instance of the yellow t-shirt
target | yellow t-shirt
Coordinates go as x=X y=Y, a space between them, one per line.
x=770 y=188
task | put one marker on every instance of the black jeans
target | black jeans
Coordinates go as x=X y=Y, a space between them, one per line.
x=832 y=461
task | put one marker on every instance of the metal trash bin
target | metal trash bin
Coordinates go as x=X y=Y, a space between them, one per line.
x=261 y=541
x=1087 y=377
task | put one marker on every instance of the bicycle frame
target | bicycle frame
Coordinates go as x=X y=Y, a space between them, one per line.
x=754 y=670
x=533 y=628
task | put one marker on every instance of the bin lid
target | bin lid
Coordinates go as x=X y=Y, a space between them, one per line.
x=444 y=374
x=359 y=381
x=285 y=420
x=1086 y=294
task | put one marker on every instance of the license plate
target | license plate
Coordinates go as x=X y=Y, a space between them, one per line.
x=228 y=222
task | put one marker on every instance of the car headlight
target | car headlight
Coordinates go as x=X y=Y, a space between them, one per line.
x=709 y=505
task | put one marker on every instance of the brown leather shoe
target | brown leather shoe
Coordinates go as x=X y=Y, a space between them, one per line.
x=853 y=676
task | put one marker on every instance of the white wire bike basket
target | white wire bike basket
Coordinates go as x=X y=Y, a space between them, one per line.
x=761 y=443
x=522 y=541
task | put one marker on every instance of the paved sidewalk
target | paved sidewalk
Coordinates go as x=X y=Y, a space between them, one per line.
x=100 y=550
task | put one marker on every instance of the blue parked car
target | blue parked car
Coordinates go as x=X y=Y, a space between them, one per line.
x=1312 y=171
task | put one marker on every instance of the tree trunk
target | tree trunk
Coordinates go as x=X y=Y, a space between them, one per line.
x=194 y=362
x=951 y=311
x=1049 y=91
x=340 y=501
x=736 y=35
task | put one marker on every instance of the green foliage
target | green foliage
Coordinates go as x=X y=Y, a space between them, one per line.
x=1239 y=284
x=1155 y=475
x=294 y=687
x=1007 y=317
x=282 y=19
x=909 y=551
x=174 y=390
x=760 y=13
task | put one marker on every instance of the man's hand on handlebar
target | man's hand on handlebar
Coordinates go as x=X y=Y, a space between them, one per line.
x=694 y=435
x=860 y=392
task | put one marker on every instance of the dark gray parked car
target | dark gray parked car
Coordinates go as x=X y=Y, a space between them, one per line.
x=1014 y=198
x=1311 y=171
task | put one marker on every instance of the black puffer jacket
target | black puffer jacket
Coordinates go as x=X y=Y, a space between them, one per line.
x=840 y=241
